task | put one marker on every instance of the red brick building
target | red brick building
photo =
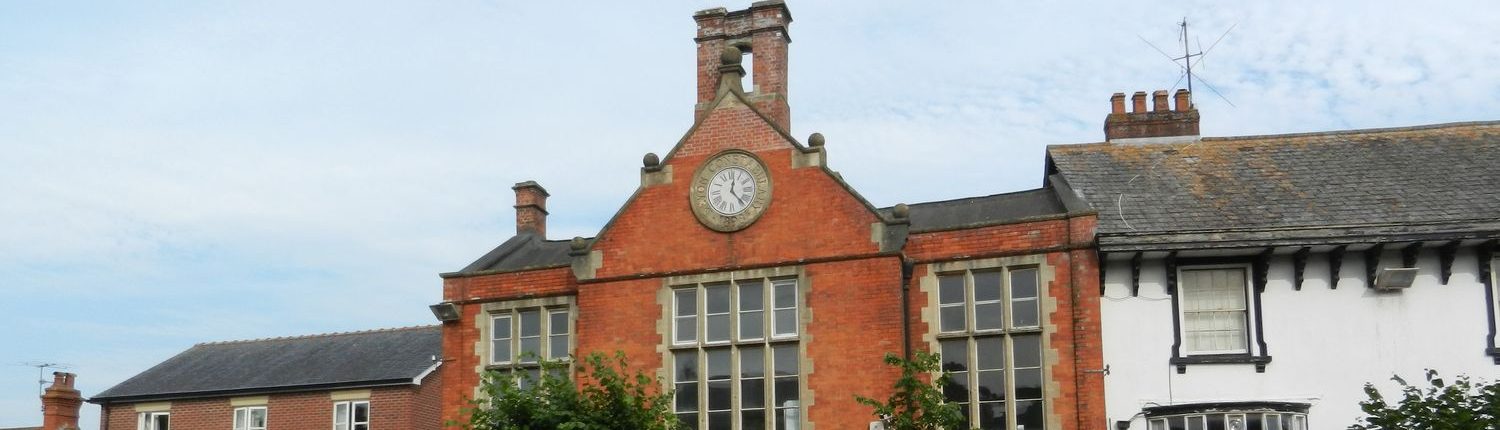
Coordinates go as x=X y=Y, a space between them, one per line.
x=378 y=379
x=756 y=283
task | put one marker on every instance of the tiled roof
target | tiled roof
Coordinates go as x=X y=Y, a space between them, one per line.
x=520 y=252
x=985 y=210
x=1439 y=174
x=326 y=361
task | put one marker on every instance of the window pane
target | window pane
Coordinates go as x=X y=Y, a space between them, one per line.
x=718 y=328
x=1028 y=350
x=1028 y=383
x=750 y=296
x=787 y=419
x=992 y=415
x=341 y=413
x=955 y=353
x=786 y=322
x=755 y=419
x=718 y=363
x=1273 y=421
x=986 y=286
x=786 y=294
x=1176 y=423
x=752 y=325
x=531 y=348
x=258 y=417
x=753 y=393
x=1029 y=415
x=558 y=346
x=720 y=420
x=717 y=299
x=1159 y=424
x=752 y=362
x=991 y=351
x=361 y=412
x=687 y=397
x=992 y=385
x=784 y=359
x=686 y=329
x=1196 y=423
x=951 y=318
x=361 y=427
x=986 y=316
x=686 y=362
x=957 y=388
x=531 y=323
x=239 y=418
x=687 y=302
x=1215 y=422
x=1023 y=313
x=558 y=323
x=1252 y=422
x=718 y=395
x=689 y=421
x=950 y=289
x=1023 y=283
x=786 y=391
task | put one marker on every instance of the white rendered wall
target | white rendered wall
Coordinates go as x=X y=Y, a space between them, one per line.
x=1325 y=343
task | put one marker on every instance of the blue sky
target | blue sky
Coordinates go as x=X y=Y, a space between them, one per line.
x=180 y=172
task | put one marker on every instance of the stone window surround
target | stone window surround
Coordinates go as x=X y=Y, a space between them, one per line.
x=1046 y=273
x=482 y=323
x=664 y=299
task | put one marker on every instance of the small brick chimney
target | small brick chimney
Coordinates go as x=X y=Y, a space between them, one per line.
x=60 y=403
x=531 y=208
x=1162 y=124
x=760 y=32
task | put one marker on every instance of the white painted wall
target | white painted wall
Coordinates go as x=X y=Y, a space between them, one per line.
x=1325 y=343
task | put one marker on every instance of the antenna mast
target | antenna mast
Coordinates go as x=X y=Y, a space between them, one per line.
x=41 y=375
x=1187 y=56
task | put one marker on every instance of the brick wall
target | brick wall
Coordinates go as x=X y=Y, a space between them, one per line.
x=402 y=407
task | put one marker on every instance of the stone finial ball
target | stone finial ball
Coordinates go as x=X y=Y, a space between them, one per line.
x=731 y=56
x=651 y=160
x=577 y=244
x=901 y=210
x=815 y=140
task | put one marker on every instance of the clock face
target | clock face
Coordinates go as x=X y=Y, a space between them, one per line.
x=730 y=191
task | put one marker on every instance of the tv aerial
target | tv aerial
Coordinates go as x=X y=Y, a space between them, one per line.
x=1189 y=59
x=41 y=374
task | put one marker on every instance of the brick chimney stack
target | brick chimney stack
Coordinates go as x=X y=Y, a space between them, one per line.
x=760 y=32
x=60 y=403
x=1162 y=124
x=531 y=208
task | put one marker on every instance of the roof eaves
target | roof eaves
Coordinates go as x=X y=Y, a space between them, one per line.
x=297 y=388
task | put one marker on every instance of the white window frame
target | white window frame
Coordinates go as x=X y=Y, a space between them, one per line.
x=796 y=329
x=767 y=344
x=248 y=414
x=349 y=415
x=1248 y=311
x=147 y=420
x=545 y=334
x=677 y=307
x=1006 y=333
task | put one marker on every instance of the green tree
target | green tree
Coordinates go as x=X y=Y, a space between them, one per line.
x=916 y=404
x=612 y=399
x=1465 y=404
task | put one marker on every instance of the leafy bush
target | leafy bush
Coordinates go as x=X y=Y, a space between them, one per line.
x=611 y=399
x=916 y=404
x=1465 y=404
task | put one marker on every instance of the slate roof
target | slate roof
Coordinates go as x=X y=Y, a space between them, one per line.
x=520 y=252
x=986 y=210
x=1427 y=179
x=326 y=361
